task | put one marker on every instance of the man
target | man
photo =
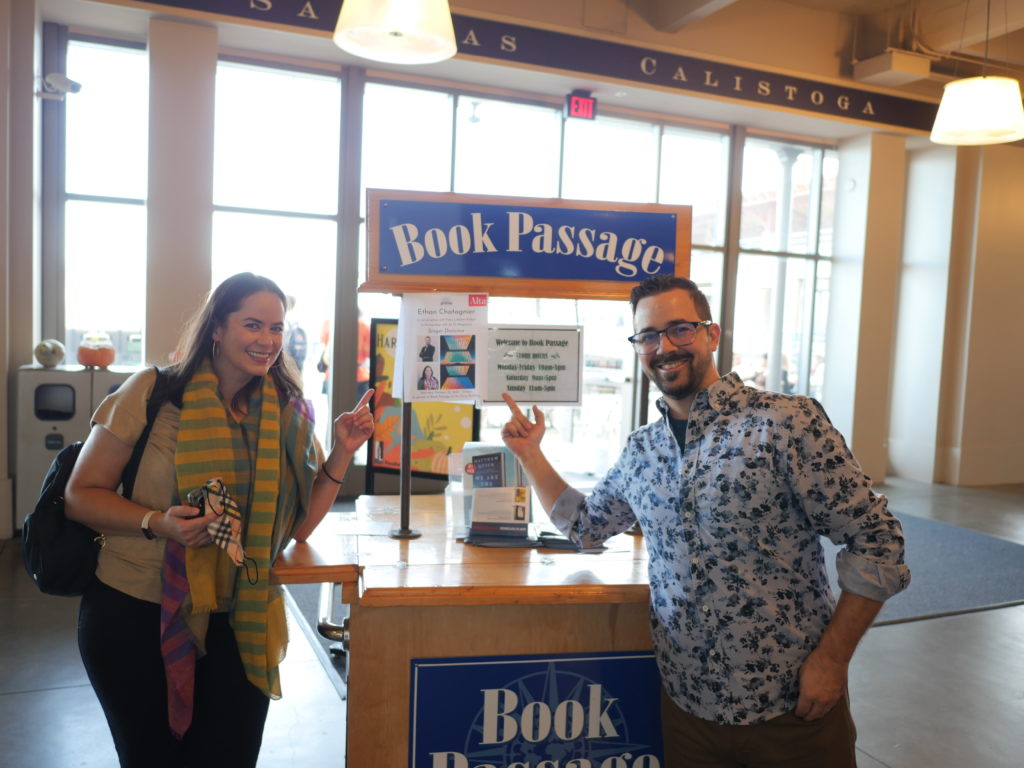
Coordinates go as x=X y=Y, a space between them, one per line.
x=732 y=488
x=426 y=351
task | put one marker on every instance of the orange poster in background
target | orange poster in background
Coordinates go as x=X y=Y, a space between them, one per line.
x=438 y=428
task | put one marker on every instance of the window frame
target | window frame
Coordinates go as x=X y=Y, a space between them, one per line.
x=53 y=181
x=349 y=218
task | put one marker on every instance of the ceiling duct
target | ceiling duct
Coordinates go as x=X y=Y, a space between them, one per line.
x=893 y=68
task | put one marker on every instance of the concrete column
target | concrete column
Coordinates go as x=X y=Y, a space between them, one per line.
x=183 y=67
x=19 y=220
x=862 y=299
x=981 y=427
x=918 y=383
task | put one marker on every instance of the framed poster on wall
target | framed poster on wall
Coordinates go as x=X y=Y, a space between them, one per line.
x=438 y=428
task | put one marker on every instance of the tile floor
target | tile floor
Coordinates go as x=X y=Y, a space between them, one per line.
x=939 y=693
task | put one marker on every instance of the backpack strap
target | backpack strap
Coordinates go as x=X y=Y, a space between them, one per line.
x=163 y=391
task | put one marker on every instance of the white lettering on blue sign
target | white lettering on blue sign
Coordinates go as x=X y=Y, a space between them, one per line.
x=628 y=258
x=625 y=760
x=537 y=722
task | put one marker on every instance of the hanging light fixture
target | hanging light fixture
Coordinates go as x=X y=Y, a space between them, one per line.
x=396 y=31
x=980 y=110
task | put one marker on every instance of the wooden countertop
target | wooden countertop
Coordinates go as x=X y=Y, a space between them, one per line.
x=435 y=569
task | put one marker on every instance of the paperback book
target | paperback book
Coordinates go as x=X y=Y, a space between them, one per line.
x=496 y=495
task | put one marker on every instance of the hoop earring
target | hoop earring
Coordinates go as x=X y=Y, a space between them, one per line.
x=216 y=348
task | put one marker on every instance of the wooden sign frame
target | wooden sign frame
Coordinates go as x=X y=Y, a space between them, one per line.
x=383 y=282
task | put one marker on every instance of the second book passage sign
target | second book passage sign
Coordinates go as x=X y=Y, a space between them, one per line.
x=535 y=363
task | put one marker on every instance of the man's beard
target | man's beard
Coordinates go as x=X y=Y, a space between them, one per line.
x=680 y=383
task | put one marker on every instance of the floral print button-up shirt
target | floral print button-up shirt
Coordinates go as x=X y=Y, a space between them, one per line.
x=739 y=589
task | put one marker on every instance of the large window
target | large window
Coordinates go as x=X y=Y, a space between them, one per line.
x=277 y=211
x=509 y=148
x=394 y=157
x=782 y=280
x=487 y=145
x=275 y=193
x=104 y=197
x=527 y=163
x=593 y=170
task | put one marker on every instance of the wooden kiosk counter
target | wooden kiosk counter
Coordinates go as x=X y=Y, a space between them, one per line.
x=436 y=597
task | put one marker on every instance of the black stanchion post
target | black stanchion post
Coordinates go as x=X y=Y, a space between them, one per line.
x=405 y=484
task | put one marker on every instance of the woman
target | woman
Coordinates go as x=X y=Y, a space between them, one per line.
x=427 y=380
x=192 y=688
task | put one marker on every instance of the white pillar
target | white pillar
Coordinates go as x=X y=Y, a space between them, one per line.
x=183 y=67
x=862 y=298
x=19 y=221
x=918 y=384
x=981 y=428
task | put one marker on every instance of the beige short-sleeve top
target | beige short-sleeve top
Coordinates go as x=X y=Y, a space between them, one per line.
x=133 y=564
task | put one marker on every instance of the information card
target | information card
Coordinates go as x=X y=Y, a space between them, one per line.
x=535 y=363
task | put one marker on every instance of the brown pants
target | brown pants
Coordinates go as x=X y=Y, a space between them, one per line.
x=785 y=741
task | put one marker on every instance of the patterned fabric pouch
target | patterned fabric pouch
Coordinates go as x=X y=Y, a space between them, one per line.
x=225 y=528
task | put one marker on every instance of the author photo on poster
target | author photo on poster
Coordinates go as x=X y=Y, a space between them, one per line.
x=427 y=380
x=426 y=353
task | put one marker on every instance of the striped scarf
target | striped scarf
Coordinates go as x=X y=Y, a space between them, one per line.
x=198 y=581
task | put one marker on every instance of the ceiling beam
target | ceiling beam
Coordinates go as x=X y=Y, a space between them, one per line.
x=673 y=15
x=947 y=29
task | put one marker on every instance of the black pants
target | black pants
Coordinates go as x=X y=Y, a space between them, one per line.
x=119 y=639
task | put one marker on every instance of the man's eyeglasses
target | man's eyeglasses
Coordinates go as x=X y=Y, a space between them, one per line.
x=680 y=334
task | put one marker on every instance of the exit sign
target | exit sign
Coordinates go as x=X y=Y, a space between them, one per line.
x=581 y=104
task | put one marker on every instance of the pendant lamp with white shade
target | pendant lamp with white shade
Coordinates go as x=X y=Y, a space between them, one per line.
x=980 y=110
x=396 y=31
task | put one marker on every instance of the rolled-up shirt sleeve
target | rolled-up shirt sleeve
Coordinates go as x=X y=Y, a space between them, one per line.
x=589 y=520
x=838 y=500
x=566 y=512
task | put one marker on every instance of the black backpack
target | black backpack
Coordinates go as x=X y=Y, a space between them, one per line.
x=60 y=554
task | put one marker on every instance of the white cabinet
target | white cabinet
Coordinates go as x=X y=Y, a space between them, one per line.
x=53 y=409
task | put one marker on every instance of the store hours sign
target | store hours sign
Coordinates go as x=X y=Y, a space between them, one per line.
x=535 y=364
x=556 y=711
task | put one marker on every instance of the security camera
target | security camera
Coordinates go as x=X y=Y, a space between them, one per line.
x=56 y=82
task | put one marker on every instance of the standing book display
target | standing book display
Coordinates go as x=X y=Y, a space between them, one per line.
x=496 y=497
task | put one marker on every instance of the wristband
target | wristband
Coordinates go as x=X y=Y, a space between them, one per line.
x=145 y=524
x=328 y=475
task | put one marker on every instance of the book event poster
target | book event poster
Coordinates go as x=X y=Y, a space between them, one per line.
x=438 y=428
x=442 y=347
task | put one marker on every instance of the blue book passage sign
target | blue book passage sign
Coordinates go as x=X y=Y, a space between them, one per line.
x=419 y=241
x=551 y=711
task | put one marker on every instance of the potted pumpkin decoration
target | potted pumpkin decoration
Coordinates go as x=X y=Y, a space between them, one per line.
x=96 y=350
